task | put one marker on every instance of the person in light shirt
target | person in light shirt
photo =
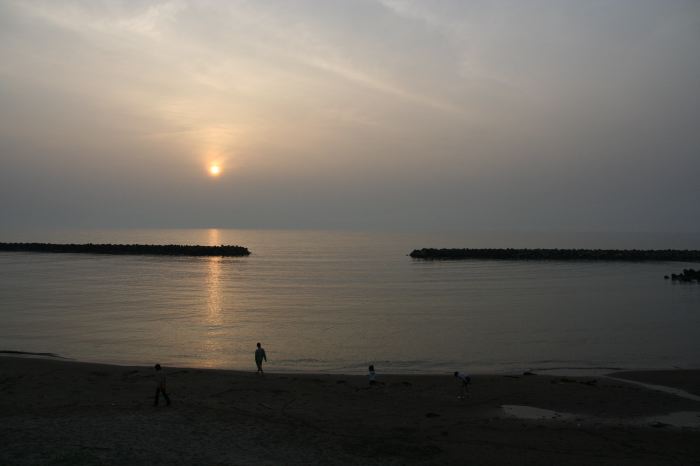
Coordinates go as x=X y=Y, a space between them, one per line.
x=372 y=376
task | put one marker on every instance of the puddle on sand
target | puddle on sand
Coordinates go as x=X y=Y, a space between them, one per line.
x=658 y=388
x=532 y=413
x=680 y=419
x=687 y=419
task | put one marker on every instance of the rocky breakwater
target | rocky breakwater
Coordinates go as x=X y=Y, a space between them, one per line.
x=559 y=254
x=128 y=249
x=688 y=276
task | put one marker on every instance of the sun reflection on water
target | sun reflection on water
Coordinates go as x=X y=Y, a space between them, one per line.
x=213 y=317
x=214 y=298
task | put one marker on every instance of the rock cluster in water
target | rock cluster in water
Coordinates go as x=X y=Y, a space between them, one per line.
x=688 y=275
x=136 y=249
x=560 y=254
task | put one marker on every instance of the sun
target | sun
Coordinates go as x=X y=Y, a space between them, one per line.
x=214 y=170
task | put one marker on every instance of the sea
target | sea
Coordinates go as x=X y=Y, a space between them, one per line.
x=335 y=302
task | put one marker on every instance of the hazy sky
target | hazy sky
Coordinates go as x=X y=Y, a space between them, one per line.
x=386 y=114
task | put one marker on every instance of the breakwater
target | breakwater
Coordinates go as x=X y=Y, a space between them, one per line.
x=688 y=276
x=129 y=249
x=559 y=254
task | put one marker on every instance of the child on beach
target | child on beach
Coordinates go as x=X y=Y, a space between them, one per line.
x=372 y=376
x=259 y=357
x=160 y=386
x=464 y=381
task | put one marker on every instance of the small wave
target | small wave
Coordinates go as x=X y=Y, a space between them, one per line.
x=28 y=353
x=563 y=368
x=288 y=361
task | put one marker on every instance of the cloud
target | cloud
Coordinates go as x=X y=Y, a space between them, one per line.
x=486 y=112
x=105 y=17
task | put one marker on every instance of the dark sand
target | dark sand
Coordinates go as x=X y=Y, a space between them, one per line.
x=65 y=413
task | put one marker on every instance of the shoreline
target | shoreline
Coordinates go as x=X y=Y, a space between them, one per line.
x=582 y=371
x=54 y=411
x=661 y=377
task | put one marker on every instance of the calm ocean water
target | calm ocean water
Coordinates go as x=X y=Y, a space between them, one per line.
x=333 y=301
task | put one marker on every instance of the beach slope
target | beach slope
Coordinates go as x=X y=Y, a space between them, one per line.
x=59 y=412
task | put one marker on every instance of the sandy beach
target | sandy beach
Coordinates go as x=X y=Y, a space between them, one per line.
x=59 y=412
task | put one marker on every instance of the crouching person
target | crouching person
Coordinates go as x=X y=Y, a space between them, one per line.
x=464 y=381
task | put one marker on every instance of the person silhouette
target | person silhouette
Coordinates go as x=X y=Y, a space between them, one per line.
x=465 y=380
x=259 y=357
x=372 y=376
x=160 y=386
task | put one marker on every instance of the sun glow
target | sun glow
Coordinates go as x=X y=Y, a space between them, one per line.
x=214 y=170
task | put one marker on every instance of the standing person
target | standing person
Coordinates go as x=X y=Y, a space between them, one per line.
x=464 y=381
x=160 y=386
x=372 y=376
x=259 y=357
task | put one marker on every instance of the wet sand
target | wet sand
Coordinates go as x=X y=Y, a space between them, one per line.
x=60 y=412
